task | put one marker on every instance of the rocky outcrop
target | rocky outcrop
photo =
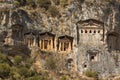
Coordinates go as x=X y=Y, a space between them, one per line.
x=108 y=62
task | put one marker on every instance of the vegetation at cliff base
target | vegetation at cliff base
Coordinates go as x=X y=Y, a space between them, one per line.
x=17 y=68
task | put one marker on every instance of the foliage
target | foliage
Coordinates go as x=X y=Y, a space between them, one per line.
x=31 y=3
x=57 y=2
x=51 y=63
x=17 y=59
x=37 y=78
x=29 y=62
x=63 y=2
x=44 y=3
x=16 y=3
x=23 y=71
x=22 y=2
x=53 y=11
x=19 y=70
x=3 y=58
x=4 y=69
x=90 y=73
x=63 y=78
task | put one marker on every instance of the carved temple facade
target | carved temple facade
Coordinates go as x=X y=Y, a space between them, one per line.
x=90 y=32
x=47 y=41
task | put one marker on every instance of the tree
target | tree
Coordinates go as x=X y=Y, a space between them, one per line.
x=17 y=59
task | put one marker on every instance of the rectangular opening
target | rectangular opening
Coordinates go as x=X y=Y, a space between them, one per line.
x=41 y=44
x=45 y=44
x=93 y=57
x=66 y=46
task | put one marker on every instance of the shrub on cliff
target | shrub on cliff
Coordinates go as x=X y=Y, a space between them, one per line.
x=3 y=58
x=63 y=2
x=51 y=63
x=4 y=69
x=63 y=78
x=53 y=11
x=44 y=3
x=90 y=73
x=17 y=59
x=16 y=3
x=57 y=2
x=32 y=3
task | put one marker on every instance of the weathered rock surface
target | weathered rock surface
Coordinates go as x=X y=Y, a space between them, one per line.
x=108 y=13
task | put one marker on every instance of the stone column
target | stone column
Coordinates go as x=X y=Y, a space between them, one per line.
x=55 y=47
x=40 y=43
x=63 y=46
x=51 y=45
x=48 y=46
x=43 y=45
x=30 y=43
x=70 y=46
x=34 y=44
x=60 y=46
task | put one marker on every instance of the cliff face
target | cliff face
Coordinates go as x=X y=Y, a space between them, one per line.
x=107 y=12
x=65 y=23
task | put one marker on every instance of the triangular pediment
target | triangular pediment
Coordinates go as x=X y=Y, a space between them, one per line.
x=90 y=23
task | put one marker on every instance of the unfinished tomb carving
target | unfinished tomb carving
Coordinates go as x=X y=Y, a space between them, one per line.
x=47 y=41
x=65 y=43
x=17 y=32
x=112 y=41
x=91 y=32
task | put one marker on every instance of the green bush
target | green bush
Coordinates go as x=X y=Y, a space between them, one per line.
x=3 y=58
x=23 y=71
x=51 y=63
x=4 y=69
x=90 y=73
x=63 y=78
x=32 y=3
x=29 y=62
x=44 y=3
x=34 y=78
x=16 y=3
x=17 y=59
x=57 y=2
x=63 y=2
x=37 y=78
x=53 y=11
